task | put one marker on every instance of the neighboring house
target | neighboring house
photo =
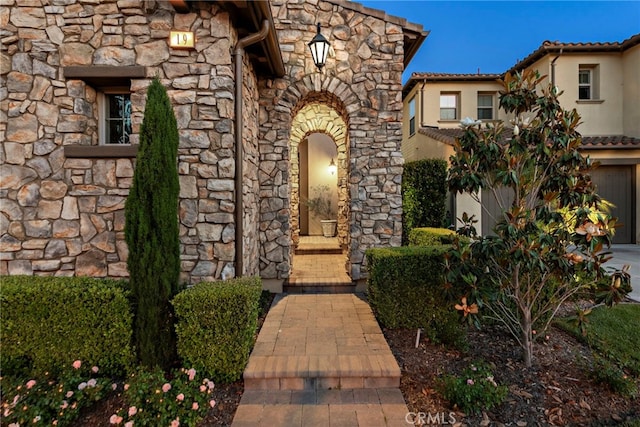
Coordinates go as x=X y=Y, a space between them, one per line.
x=600 y=80
x=246 y=93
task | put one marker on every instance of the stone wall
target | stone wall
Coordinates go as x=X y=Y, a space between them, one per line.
x=65 y=216
x=365 y=75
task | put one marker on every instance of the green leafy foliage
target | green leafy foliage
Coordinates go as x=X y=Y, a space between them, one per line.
x=405 y=290
x=533 y=263
x=52 y=400
x=49 y=321
x=605 y=371
x=215 y=325
x=430 y=236
x=320 y=203
x=154 y=399
x=151 y=231
x=474 y=390
x=424 y=194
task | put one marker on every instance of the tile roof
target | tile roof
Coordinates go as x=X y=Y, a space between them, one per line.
x=448 y=136
x=546 y=48
x=550 y=47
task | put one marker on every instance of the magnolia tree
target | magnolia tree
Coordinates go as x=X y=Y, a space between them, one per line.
x=550 y=241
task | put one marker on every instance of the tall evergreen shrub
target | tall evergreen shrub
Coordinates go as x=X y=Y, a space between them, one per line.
x=424 y=194
x=151 y=231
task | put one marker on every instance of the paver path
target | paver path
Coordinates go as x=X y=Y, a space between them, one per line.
x=321 y=360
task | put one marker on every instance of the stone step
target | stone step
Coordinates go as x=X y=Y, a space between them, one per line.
x=321 y=372
x=309 y=250
x=337 y=408
x=320 y=288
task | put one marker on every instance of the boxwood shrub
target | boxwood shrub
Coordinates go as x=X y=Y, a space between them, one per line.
x=405 y=290
x=48 y=322
x=215 y=326
x=430 y=236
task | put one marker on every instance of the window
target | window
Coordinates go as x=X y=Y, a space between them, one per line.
x=485 y=106
x=115 y=121
x=584 y=84
x=412 y=116
x=448 y=106
x=588 y=82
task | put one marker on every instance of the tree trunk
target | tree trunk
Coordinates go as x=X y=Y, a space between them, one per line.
x=527 y=338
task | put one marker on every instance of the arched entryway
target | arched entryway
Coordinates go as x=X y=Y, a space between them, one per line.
x=318 y=138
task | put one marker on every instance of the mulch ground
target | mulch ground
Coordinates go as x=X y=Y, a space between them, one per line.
x=556 y=391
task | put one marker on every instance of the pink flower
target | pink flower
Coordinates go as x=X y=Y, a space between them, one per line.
x=95 y=369
x=175 y=423
x=166 y=387
x=92 y=382
x=192 y=374
x=210 y=384
x=180 y=397
x=82 y=386
x=128 y=424
x=132 y=411
x=69 y=394
x=115 y=419
x=212 y=403
x=54 y=422
x=77 y=364
x=114 y=386
x=203 y=388
x=64 y=405
x=195 y=406
x=126 y=387
x=31 y=383
x=470 y=382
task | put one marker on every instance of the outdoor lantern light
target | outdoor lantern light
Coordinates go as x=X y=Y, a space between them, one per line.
x=319 y=47
x=332 y=167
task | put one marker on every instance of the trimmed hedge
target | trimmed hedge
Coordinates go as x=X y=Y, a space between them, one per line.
x=429 y=236
x=405 y=290
x=424 y=194
x=215 y=326
x=48 y=322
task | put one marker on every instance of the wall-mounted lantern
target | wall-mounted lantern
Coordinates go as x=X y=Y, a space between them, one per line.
x=332 y=167
x=319 y=47
x=182 y=40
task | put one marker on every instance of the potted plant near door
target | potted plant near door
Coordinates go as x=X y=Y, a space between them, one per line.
x=320 y=206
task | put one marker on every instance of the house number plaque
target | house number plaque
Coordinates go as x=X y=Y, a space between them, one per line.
x=182 y=40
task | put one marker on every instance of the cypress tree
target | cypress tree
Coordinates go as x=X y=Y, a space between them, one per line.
x=151 y=231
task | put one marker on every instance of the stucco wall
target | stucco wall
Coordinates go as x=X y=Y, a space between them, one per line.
x=631 y=92
x=65 y=216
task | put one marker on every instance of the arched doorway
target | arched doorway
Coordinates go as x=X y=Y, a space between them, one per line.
x=319 y=138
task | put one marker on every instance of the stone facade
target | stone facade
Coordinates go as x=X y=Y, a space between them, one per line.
x=362 y=83
x=64 y=215
x=62 y=210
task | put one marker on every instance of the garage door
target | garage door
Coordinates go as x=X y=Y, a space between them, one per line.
x=615 y=184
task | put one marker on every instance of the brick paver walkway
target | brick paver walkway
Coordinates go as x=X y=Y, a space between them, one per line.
x=321 y=360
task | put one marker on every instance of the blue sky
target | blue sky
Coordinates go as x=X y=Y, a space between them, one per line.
x=493 y=35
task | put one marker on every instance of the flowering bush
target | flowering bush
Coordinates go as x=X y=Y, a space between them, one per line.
x=474 y=390
x=183 y=399
x=50 y=400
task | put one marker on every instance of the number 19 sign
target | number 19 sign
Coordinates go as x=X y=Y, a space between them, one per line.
x=182 y=40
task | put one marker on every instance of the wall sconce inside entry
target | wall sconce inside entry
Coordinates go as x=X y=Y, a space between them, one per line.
x=332 y=167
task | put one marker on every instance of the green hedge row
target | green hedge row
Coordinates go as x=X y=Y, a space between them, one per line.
x=424 y=194
x=215 y=325
x=405 y=290
x=48 y=322
x=429 y=236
